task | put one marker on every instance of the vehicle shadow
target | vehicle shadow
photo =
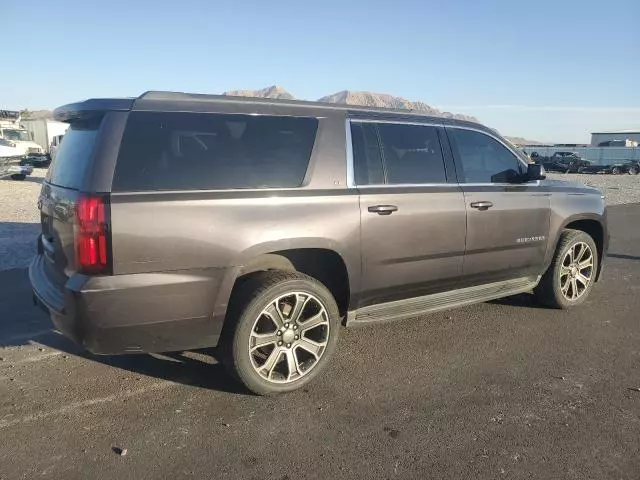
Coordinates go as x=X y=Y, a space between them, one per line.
x=196 y=368
x=525 y=300
x=24 y=325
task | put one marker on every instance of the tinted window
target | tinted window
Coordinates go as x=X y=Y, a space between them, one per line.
x=72 y=158
x=196 y=151
x=366 y=154
x=412 y=154
x=484 y=159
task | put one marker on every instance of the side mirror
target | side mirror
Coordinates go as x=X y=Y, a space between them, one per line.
x=535 y=172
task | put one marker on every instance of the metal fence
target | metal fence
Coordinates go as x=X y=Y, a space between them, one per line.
x=597 y=155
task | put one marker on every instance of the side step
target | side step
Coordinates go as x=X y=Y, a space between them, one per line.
x=414 y=307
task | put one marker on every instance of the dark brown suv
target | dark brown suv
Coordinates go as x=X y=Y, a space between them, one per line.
x=175 y=221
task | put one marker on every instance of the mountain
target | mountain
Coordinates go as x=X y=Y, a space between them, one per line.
x=347 y=97
x=523 y=141
x=384 y=100
x=381 y=100
x=274 y=91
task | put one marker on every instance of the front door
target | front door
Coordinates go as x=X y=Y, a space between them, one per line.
x=413 y=219
x=507 y=221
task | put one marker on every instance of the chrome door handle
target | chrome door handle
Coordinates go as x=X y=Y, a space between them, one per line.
x=383 y=209
x=482 y=205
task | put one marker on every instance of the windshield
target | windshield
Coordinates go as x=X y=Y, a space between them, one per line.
x=16 y=135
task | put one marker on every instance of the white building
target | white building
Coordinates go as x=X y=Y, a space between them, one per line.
x=620 y=135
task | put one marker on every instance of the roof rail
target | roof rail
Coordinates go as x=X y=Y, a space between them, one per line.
x=164 y=96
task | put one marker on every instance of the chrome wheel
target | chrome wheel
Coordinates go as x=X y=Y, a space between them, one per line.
x=576 y=271
x=289 y=337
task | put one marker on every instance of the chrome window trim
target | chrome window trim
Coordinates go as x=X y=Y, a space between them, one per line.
x=405 y=185
x=535 y=183
x=350 y=160
x=396 y=122
x=351 y=180
x=453 y=185
x=490 y=135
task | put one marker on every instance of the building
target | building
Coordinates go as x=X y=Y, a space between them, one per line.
x=620 y=138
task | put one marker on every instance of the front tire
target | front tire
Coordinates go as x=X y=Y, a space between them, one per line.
x=18 y=176
x=283 y=332
x=572 y=273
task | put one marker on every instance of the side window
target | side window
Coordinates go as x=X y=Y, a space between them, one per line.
x=367 y=161
x=412 y=154
x=484 y=159
x=204 y=151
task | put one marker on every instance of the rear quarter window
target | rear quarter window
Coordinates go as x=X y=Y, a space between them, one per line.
x=201 y=151
x=74 y=155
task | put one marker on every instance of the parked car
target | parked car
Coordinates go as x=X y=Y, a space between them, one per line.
x=632 y=168
x=11 y=161
x=566 y=162
x=174 y=221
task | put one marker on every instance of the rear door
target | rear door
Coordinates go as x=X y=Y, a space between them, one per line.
x=58 y=197
x=507 y=221
x=412 y=211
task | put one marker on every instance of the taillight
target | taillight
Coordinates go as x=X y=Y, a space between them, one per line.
x=91 y=234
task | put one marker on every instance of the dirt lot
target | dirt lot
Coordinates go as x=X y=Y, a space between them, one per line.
x=19 y=220
x=497 y=390
x=618 y=189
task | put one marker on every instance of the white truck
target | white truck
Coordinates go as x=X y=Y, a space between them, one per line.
x=15 y=146
x=19 y=137
x=46 y=133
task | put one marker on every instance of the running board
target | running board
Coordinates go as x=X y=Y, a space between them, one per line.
x=414 y=307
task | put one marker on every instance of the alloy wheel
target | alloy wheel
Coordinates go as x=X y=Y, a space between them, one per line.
x=289 y=337
x=576 y=271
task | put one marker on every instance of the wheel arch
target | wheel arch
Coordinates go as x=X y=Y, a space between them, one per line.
x=319 y=260
x=594 y=227
x=324 y=264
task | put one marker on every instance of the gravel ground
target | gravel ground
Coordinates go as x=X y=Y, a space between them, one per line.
x=618 y=189
x=19 y=220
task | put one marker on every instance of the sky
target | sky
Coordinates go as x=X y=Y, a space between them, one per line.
x=548 y=70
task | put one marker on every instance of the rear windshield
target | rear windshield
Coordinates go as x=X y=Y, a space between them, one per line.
x=72 y=159
x=204 y=151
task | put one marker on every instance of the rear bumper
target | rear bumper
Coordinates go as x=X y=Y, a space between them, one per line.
x=156 y=312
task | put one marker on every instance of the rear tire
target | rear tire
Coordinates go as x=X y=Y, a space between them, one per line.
x=266 y=345
x=18 y=176
x=616 y=171
x=570 y=277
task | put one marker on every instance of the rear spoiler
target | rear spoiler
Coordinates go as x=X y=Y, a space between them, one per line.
x=91 y=108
